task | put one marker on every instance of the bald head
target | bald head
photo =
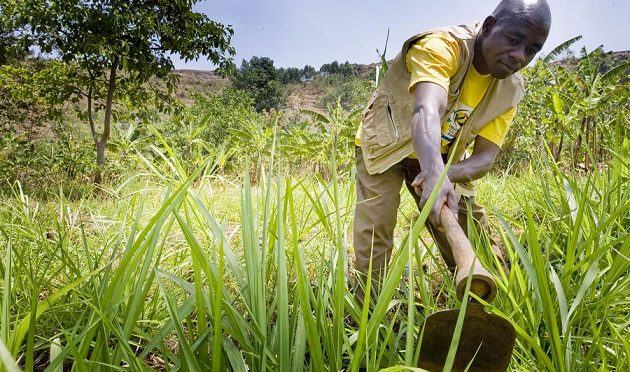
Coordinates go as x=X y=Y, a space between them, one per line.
x=511 y=37
x=535 y=11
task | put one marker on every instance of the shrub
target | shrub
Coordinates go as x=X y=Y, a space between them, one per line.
x=198 y=131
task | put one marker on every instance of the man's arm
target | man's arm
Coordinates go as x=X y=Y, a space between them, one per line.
x=430 y=104
x=477 y=165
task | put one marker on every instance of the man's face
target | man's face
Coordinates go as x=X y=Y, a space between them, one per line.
x=510 y=44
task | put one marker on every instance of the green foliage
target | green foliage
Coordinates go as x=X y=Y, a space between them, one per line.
x=293 y=75
x=573 y=272
x=180 y=271
x=335 y=68
x=28 y=153
x=200 y=130
x=41 y=164
x=383 y=67
x=573 y=106
x=20 y=103
x=260 y=79
x=92 y=34
x=117 y=46
x=43 y=145
x=290 y=75
x=350 y=93
x=308 y=72
x=308 y=143
x=11 y=49
x=27 y=96
x=563 y=47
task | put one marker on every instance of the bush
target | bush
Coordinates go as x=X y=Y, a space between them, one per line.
x=60 y=156
x=198 y=131
x=351 y=93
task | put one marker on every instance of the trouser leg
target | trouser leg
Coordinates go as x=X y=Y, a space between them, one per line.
x=378 y=198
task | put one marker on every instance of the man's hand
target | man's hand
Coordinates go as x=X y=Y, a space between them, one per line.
x=424 y=184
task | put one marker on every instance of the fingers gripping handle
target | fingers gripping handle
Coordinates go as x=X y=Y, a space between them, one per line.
x=482 y=283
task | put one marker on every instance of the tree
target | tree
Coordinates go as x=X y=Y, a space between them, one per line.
x=308 y=72
x=260 y=79
x=290 y=75
x=117 y=46
x=329 y=68
x=335 y=68
x=10 y=49
x=346 y=69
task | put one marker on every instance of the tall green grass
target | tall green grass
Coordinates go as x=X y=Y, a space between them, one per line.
x=569 y=294
x=194 y=272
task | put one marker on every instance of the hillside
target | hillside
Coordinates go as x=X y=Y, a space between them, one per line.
x=202 y=82
x=306 y=95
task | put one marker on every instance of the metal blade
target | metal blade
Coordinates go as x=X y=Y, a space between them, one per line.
x=487 y=338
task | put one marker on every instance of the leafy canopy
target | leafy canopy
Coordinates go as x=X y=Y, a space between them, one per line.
x=117 y=46
x=143 y=34
x=261 y=80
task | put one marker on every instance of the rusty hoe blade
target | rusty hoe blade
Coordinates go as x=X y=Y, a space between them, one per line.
x=486 y=338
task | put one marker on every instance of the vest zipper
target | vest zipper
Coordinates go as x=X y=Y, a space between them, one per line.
x=390 y=115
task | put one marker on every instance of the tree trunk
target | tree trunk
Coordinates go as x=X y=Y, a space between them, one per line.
x=102 y=142
x=601 y=144
x=595 y=147
x=558 y=153
x=578 y=144
x=587 y=153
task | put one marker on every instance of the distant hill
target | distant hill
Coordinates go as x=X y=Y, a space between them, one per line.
x=201 y=82
x=304 y=95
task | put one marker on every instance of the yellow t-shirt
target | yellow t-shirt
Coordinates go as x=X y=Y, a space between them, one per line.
x=435 y=59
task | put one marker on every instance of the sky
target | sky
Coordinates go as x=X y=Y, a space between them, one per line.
x=294 y=33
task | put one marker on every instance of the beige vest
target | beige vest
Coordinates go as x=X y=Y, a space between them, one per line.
x=386 y=122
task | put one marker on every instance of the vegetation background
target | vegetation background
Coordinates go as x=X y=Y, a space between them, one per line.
x=159 y=219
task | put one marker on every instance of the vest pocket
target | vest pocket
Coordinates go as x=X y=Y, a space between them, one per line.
x=380 y=127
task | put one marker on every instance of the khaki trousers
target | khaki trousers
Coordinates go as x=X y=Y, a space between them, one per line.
x=378 y=199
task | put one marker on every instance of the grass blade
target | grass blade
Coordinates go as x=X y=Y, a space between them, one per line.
x=8 y=363
x=189 y=356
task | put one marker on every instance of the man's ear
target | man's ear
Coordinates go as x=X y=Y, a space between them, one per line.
x=488 y=24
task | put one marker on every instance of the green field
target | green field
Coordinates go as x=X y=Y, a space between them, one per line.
x=195 y=271
x=216 y=233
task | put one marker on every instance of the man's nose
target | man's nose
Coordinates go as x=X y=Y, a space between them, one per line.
x=518 y=55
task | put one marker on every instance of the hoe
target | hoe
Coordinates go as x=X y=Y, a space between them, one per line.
x=486 y=340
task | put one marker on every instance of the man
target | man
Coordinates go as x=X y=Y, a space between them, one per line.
x=448 y=88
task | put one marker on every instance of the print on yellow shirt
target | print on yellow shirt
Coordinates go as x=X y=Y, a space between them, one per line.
x=454 y=123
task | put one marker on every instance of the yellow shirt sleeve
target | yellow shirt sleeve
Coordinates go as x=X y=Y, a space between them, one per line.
x=496 y=130
x=434 y=58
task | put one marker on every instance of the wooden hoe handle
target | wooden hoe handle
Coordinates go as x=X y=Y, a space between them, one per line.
x=482 y=283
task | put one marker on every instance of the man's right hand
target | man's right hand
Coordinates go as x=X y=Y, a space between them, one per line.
x=424 y=184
